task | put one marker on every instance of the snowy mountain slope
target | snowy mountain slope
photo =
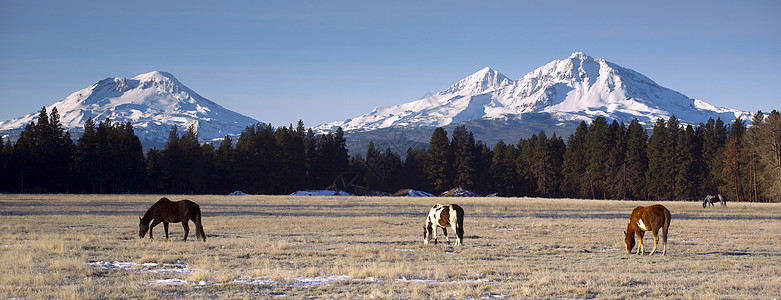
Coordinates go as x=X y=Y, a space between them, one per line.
x=152 y=102
x=569 y=90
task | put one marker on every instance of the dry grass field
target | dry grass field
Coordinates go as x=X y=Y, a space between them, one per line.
x=80 y=247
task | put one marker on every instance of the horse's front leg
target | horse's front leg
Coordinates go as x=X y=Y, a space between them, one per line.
x=151 y=227
x=640 y=249
x=186 y=229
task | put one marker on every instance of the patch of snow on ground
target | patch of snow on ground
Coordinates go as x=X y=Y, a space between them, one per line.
x=412 y=193
x=149 y=267
x=302 y=281
x=320 y=193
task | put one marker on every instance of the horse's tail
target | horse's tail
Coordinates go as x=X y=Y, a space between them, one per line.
x=198 y=225
x=666 y=225
x=459 y=222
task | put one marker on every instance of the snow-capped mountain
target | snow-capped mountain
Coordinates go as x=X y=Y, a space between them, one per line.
x=152 y=102
x=563 y=91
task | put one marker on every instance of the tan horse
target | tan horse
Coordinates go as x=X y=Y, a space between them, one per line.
x=442 y=216
x=643 y=219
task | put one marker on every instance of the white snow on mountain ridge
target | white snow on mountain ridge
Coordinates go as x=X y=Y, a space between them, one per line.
x=577 y=88
x=152 y=102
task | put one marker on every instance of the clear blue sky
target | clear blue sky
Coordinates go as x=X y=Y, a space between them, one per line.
x=324 y=61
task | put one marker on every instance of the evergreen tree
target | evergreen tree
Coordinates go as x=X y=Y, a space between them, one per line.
x=292 y=158
x=636 y=160
x=257 y=160
x=372 y=176
x=340 y=157
x=155 y=172
x=191 y=174
x=6 y=166
x=617 y=170
x=310 y=159
x=714 y=139
x=465 y=158
x=208 y=169
x=390 y=171
x=672 y=158
x=483 y=185
x=497 y=170
x=173 y=163
x=86 y=161
x=687 y=179
x=763 y=142
x=131 y=158
x=734 y=185
x=543 y=165
x=527 y=183
x=574 y=168
x=224 y=165
x=557 y=148
x=414 y=168
x=597 y=153
x=657 y=164
x=440 y=161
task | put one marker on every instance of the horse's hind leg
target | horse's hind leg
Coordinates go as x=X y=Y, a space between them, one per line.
x=444 y=231
x=459 y=234
x=656 y=241
x=199 y=228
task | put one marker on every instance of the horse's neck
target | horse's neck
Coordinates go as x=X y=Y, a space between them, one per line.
x=148 y=216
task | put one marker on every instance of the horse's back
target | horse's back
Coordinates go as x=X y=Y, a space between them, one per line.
x=655 y=215
x=175 y=211
x=188 y=209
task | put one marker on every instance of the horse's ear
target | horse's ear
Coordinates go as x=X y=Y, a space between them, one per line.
x=624 y=232
x=140 y=218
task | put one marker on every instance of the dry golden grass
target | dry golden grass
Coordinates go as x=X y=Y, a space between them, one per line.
x=266 y=246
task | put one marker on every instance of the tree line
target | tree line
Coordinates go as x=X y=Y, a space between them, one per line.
x=601 y=160
x=109 y=158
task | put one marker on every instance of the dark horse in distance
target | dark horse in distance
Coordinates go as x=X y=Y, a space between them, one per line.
x=166 y=211
x=709 y=199
x=650 y=218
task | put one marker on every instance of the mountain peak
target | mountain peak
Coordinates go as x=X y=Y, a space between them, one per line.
x=483 y=80
x=580 y=55
x=155 y=76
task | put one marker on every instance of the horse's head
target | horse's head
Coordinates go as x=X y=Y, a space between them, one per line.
x=428 y=230
x=143 y=227
x=629 y=239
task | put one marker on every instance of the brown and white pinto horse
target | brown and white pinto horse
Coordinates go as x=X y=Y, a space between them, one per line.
x=650 y=218
x=442 y=216
x=166 y=211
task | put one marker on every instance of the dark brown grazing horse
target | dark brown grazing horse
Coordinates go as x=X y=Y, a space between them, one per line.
x=443 y=216
x=166 y=211
x=643 y=219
